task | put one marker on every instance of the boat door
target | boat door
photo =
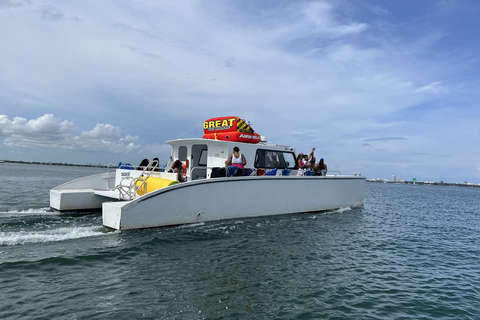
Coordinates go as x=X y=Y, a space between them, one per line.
x=199 y=161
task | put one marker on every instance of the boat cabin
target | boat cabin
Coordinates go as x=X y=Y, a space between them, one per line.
x=202 y=157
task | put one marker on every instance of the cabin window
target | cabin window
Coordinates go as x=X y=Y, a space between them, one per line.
x=203 y=158
x=288 y=159
x=270 y=159
x=182 y=153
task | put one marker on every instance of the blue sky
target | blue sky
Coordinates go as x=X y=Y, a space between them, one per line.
x=377 y=87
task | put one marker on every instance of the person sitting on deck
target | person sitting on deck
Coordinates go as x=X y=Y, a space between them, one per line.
x=155 y=164
x=178 y=169
x=321 y=167
x=143 y=164
x=236 y=160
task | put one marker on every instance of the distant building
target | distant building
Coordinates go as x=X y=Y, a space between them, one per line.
x=394 y=178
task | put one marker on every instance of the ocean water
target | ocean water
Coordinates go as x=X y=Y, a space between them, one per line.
x=407 y=254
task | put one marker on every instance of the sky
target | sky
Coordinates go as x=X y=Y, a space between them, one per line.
x=377 y=87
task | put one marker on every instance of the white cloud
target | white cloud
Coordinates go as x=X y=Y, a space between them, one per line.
x=46 y=124
x=434 y=87
x=320 y=15
x=50 y=132
x=13 y=3
x=102 y=131
x=51 y=13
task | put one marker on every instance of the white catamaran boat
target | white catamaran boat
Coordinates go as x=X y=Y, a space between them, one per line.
x=144 y=197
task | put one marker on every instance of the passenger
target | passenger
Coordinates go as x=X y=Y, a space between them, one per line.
x=236 y=159
x=306 y=161
x=322 y=167
x=309 y=165
x=178 y=169
x=312 y=158
x=300 y=166
x=156 y=164
x=143 y=164
x=272 y=161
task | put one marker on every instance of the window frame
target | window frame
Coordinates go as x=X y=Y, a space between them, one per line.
x=262 y=154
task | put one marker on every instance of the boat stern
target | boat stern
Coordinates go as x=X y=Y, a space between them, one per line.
x=73 y=199
x=112 y=214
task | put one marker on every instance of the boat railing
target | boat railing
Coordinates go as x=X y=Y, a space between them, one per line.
x=198 y=169
x=192 y=176
x=211 y=168
x=108 y=175
x=130 y=191
x=205 y=169
x=339 y=173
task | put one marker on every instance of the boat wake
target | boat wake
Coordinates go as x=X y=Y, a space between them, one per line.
x=30 y=212
x=53 y=235
x=341 y=210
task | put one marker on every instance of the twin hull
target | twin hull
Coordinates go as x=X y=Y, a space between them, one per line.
x=230 y=198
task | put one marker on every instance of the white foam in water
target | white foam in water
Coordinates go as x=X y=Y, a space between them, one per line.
x=60 y=234
x=343 y=209
x=190 y=225
x=31 y=211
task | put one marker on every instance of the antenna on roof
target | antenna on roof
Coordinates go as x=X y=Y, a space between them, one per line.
x=254 y=124
x=189 y=130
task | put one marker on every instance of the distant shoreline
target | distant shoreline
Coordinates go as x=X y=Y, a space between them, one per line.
x=56 y=163
x=422 y=183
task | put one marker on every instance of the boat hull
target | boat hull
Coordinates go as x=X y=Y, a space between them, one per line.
x=232 y=198
x=80 y=194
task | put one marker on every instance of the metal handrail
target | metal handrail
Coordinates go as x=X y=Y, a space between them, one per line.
x=125 y=191
x=131 y=190
x=108 y=175
x=204 y=168
x=198 y=168
x=339 y=173
x=195 y=168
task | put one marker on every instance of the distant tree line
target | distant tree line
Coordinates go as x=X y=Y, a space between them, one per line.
x=441 y=183
x=57 y=164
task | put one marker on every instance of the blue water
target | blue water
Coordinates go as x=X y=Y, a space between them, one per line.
x=407 y=254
